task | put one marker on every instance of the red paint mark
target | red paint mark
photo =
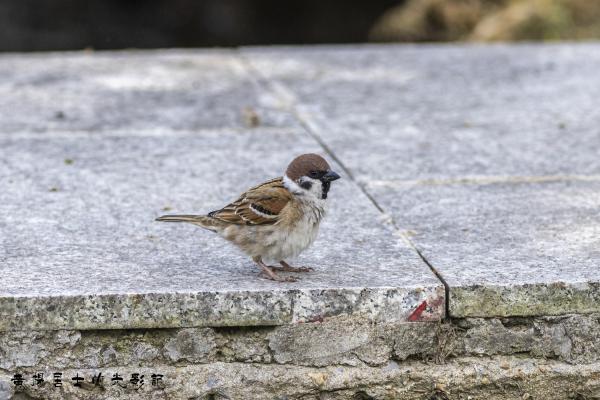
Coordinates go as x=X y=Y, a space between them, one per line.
x=418 y=311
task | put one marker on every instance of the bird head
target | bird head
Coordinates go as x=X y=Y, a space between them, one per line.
x=311 y=174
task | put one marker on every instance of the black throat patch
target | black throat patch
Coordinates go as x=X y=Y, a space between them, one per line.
x=325 y=186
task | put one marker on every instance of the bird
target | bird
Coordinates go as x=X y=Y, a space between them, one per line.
x=277 y=219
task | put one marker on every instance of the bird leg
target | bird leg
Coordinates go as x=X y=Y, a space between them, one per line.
x=288 y=268
x=268 y=272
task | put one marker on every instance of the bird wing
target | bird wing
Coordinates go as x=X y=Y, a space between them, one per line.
x=260 y=205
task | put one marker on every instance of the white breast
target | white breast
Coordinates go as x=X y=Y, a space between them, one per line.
x=291 y=242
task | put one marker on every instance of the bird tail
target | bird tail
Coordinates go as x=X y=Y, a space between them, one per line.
x=200 y=220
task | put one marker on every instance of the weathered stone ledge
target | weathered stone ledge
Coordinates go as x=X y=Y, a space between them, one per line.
x=557 y=298
x=395 y=355
x=222 y=308
x=496 y=378
x=335 y=341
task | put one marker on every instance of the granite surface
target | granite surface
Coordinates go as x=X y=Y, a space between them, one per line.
x=506 y=248
x=445 y=111
x=80 y=248
x=131 y=91
x=488 y=157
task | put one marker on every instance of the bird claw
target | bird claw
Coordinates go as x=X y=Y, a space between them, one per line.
x=289 y=268
x=279 y=278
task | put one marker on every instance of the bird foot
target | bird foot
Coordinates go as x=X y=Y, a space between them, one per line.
x=289 y=268
x=274 y=277
x=267 y=272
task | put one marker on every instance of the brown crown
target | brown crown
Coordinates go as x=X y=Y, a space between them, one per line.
x=302 y=165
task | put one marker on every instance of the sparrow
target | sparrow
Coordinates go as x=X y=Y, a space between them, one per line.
x=277 y=219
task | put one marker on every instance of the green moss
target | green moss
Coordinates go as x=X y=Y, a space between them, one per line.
x=525 y=300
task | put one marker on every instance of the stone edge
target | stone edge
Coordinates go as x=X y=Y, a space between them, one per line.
x=220 y=309
x=556 y=298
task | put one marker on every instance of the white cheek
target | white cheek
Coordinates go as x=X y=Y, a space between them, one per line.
x=315 y=193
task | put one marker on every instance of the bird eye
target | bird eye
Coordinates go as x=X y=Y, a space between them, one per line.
x=313 y=174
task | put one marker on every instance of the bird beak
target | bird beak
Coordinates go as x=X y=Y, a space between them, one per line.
x=330 y=176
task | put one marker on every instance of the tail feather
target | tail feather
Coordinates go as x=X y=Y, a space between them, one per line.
x=200 y=220
x=180 y=218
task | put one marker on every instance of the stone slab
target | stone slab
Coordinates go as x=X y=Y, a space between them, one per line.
x=507 y=248
x=80 y=248
x=131 y=90
x=490 y=154
x=446 y=111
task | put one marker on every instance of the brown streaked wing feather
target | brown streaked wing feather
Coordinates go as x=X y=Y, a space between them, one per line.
x=260 y=205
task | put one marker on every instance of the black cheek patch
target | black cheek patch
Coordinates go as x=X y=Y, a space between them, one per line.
x=306 y=185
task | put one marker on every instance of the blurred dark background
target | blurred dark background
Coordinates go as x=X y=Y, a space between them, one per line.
x=31 y=25
x=112 y=24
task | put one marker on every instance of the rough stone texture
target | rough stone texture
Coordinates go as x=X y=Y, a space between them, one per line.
x=81 y=249
x=337 y=359
x=499 y=378
x=490 y=154
x=340 y=341
x=350 y=342
x=570 y=338
x=6 y=389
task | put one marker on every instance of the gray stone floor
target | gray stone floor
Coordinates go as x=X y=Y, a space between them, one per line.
x=485 y=160
x=488 y=157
